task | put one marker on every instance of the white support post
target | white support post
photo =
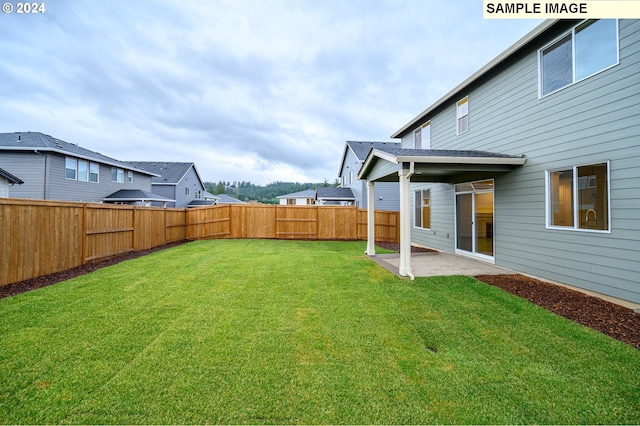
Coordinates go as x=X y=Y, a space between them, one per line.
x=371 y=226
x=405 y=224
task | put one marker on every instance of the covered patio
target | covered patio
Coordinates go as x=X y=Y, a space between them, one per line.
x=424 y=165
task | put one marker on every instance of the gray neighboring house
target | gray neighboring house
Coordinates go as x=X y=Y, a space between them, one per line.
x=533 y=162
x=53 y=169
x=7 y=180
x=353 y=156
x=179 y=181
x=330 y=196
x=226 y=199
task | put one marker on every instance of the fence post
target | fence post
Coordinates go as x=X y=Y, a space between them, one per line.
x=84 y=236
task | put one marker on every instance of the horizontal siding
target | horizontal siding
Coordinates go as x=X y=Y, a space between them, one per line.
x=382 y=169
x=70 y=190
x=441 y=234
x=592 y=121
x=29 y=167
x=387 y=196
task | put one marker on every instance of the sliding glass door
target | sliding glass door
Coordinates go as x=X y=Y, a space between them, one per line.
x=475 y=218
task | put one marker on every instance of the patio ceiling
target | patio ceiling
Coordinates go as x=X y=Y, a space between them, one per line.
x=451 y=166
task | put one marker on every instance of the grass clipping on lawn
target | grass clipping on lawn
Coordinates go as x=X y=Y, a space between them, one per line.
x=254 y=331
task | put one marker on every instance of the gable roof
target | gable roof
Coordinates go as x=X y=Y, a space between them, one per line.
x=167 y=173
x=331 y=193
x=36 y=141
x=307 y=193
x=498 y=60
x=361 y=149
x=11 y=178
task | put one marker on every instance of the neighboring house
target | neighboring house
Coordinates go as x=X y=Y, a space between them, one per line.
x=533 y=162
x=301 y=198
x=208 y=199
x=330 y=196
x=6 y=180
x=353 y=156
x=225 y=199
x=53 y=169
x=178 y=181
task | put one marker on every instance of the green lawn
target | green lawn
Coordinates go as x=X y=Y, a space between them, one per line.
x=253 y=331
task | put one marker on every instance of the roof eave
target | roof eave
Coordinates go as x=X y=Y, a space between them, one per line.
x=510 y=161
x=83 y=157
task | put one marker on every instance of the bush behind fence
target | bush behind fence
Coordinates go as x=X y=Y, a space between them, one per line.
x=43 y=237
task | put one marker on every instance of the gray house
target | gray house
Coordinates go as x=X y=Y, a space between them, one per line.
x=53 y=169
x=178 y=181
x=533 y=162
x=353 y=156
x=7 y=180
x=330 y=196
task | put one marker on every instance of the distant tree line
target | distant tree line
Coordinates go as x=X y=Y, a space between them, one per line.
x=249 y=192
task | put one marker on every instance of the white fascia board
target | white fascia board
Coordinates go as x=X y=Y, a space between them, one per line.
x=372 y=155
x=515 y=161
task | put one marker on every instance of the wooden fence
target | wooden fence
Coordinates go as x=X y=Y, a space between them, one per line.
x=42 y=237
x=289 y=223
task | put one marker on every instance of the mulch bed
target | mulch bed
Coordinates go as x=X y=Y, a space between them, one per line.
x=614 y=320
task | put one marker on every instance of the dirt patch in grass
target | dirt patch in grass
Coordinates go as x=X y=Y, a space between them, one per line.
x=613 y=320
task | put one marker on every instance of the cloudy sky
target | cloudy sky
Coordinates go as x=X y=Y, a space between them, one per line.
x=254 y=90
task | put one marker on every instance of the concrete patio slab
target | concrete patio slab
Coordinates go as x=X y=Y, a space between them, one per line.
x=440 y=263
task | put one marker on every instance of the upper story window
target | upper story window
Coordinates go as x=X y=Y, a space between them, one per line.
x=586 y=50
x=129 y=176
x=417 y=138
x=578 y=197
x=462 y=115
x=94 y=172
x=117 y=175
x=71 y=168
x=81 y=170
x=350 y=177
x=422 y=136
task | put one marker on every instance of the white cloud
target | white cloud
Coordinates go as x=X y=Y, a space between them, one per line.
x=258 y=90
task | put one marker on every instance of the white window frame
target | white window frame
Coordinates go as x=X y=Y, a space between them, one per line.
x=129 y=176
x=67 y=162
x=415 y=208
x=84 y=178
x=350 y=177
x=462 y=111
x=425 y=131
x=94 y=169
x=576 y=211
x=572 y=33
x=417 y=138
x=119 y=174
